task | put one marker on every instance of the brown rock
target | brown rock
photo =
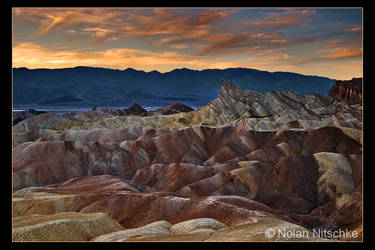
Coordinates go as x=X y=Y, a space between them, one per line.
x=173 y=109
x=350 y=91
x=98 y=152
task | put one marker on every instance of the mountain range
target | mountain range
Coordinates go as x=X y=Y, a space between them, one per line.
x=89 y=86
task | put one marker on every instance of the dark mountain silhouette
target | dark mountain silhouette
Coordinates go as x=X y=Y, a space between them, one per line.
x=89 y=86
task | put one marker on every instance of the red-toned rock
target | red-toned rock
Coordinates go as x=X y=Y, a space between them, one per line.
x=96 y=152
x=172 y=177
x=350 y=91
x=121 y=201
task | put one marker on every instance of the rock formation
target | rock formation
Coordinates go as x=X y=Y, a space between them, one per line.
x=154 y=228
x=62 y=227
x=22 y=115
x=95 y=152
x=100 y=113
x=173 y=109
x=234 y=106
x=350 y=91
x=249 y=231
x=244 y=161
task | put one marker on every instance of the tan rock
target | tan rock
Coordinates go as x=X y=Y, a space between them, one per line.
x=189 y=237
x=197 y=225
x=335 y=174
x=63 y=227
x=355 y=134
x=154 y=228
x=245 y=175
x=42 y=203
x=251 y=231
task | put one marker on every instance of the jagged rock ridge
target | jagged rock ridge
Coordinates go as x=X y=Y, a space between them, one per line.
x=350 y=91
x=233 y=106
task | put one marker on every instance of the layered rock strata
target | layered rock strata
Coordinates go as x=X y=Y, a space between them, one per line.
x=221 y=173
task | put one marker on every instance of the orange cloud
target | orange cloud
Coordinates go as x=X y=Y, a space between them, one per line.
x=54 y=18
x=164 y=27
x=110 y=24
x=334 y=54
x=241 y=43
x=170 y=29
x=354 y=29
x=178 y=46
x=223 y=42
x=35 y=56
x=342 y=53
x=279 y=41
x=286 y=18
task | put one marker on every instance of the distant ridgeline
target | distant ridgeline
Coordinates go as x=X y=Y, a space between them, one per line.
x=88 y=87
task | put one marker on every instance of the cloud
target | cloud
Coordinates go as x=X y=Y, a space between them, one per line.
x=281 y=19
x=223 y=42
x=178 y=46
x=244 y=42
x=354 y=29
x=105 y=24
x=35 y=56
x=170 y=29
x=343 y=53
x=49 y=19
x=334 y=54
x=197 y=38
x=279 y=41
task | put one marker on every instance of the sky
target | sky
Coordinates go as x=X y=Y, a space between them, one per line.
x=311 y=41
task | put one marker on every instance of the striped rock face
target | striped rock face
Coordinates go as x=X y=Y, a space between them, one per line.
x=278 y=157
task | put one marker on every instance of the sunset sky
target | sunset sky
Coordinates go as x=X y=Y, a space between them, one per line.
x=311 y=41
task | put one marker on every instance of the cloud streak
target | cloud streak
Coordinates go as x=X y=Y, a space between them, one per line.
x=286 y=18
x=50 y=19
x=334 y=54
x=35 y=56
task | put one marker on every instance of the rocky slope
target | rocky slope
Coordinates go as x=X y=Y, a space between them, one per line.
x=69 y=226
x=100 y=112
x=246 y=160
x=62 y=227
x=22 y=115
x=234 y=106
x=350 y=91
x=173 y=109
x=118 y=151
